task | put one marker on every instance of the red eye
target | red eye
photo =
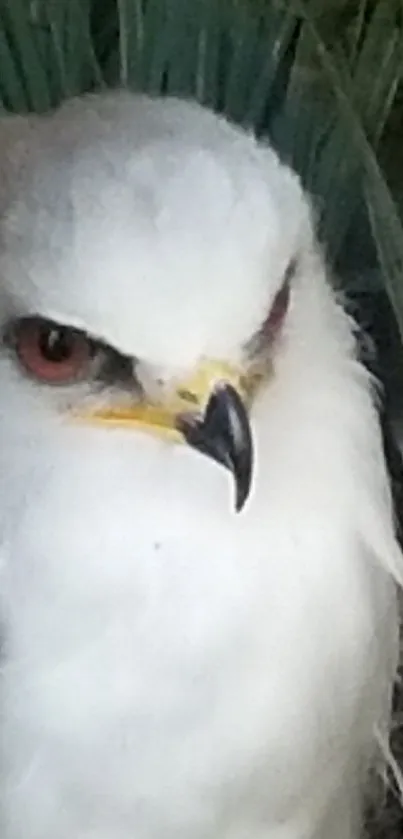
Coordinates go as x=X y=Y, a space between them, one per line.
x=52 y=353
x=277 y=313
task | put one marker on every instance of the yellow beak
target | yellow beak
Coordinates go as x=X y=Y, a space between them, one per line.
x=208 y=411
x=190 y=398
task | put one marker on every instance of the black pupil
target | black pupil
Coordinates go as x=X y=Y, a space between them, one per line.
x=56 y=344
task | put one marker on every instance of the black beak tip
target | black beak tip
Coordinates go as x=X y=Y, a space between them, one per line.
x=242 y=492
x=224 y=434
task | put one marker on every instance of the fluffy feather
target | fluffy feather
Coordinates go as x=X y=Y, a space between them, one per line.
x=170 y=669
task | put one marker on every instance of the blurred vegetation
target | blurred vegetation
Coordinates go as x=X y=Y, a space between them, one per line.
x=322 y=79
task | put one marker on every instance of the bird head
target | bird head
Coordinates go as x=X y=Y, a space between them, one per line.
x=150 y=255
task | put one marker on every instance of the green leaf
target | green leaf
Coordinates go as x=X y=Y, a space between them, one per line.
x=20 y=33
x=386 y=224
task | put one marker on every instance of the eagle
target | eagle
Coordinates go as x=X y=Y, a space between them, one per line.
x=199 y=567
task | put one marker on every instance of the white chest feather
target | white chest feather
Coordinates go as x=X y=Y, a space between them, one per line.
x=173 y=670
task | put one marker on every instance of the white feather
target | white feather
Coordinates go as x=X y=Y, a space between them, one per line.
x=170 y=669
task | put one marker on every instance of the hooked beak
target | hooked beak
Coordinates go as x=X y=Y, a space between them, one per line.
x=224 y=434
x=209 y=412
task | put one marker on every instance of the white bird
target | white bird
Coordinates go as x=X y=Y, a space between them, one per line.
x=198 y=563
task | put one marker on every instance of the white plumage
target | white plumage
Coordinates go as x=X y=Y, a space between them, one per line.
x=172 y=669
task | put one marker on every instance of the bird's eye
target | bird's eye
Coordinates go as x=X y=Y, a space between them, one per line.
x=52 y=353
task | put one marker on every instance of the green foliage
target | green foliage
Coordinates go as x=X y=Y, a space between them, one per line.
x=322 y=85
